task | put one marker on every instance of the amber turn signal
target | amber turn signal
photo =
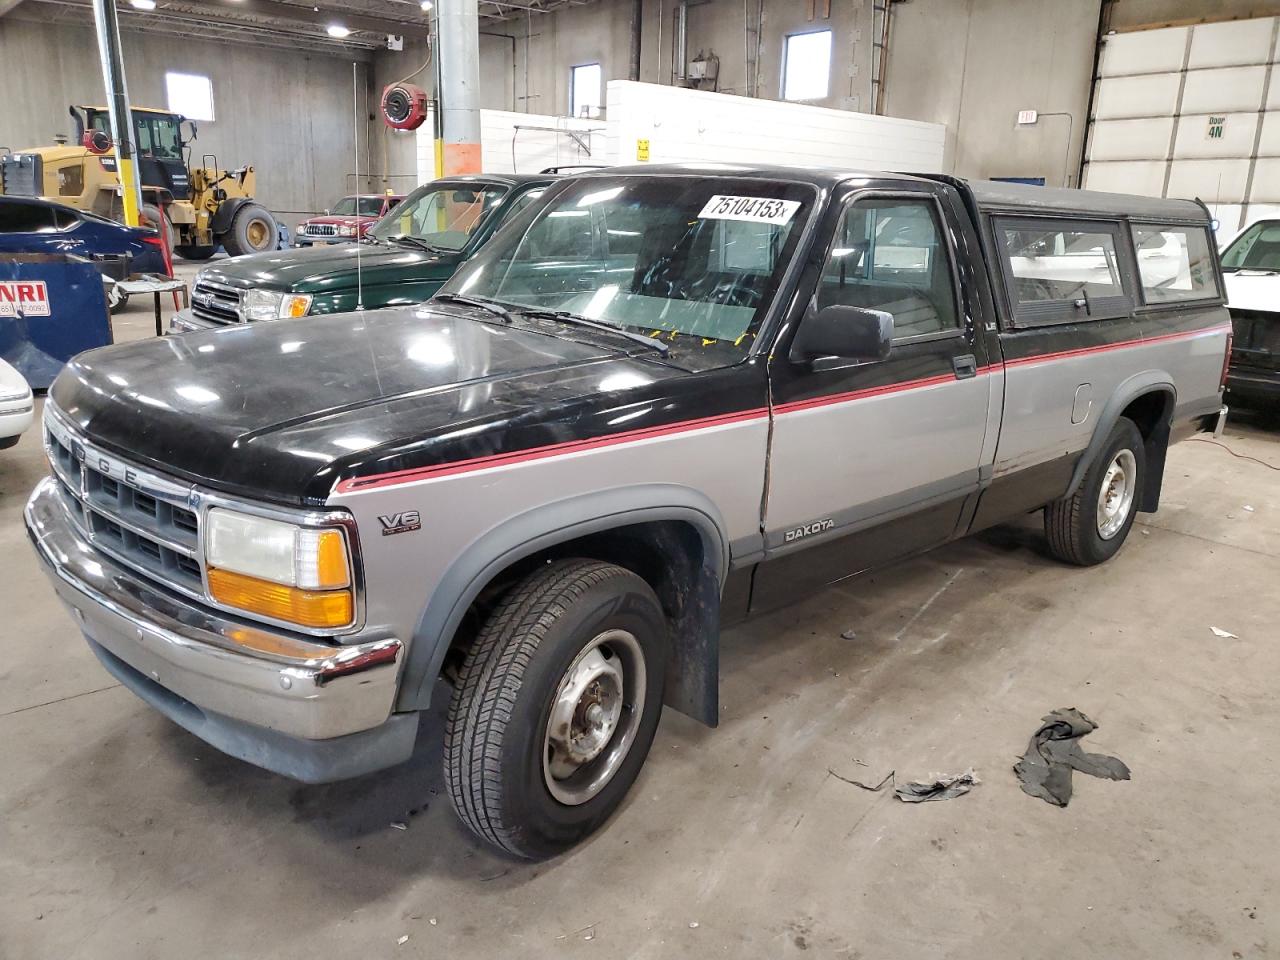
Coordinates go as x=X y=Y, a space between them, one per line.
x=307 y=608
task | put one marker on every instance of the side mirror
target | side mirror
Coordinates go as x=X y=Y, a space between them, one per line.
x=849 y=333
x=191 y=128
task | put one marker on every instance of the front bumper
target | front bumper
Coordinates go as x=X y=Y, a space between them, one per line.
x=311 y=710
x=16 y=416
x=184 y=321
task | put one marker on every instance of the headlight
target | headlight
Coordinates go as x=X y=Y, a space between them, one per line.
x=279 y=570
x=302 y=228
x=346 y=231
x=273 y=305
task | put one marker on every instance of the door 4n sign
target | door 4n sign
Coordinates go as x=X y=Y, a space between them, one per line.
x=24 y=298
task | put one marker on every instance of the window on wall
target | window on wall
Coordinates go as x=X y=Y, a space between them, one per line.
x=806 y=66
x=190 y=94
x=584 y=90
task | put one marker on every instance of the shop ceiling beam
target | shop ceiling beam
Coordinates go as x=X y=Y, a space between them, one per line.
x=415 y=27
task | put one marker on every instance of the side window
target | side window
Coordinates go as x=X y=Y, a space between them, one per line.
x=1174 y=263
x=65 y=219
x=19 y=217
x=522 y=201
x=890 y=255
x=1062 y=271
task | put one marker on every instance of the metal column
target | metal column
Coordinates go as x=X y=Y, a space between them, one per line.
x=458 y=86
x=122 y=128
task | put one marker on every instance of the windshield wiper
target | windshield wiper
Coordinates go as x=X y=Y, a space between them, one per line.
x=497 y=309
x=417 y=242
x=567 y=317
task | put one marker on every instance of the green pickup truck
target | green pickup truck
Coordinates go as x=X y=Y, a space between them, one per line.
x=403 y=259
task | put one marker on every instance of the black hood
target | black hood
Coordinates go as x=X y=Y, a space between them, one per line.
x=282 y=410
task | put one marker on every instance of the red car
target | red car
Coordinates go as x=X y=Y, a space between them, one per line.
x=347 y=221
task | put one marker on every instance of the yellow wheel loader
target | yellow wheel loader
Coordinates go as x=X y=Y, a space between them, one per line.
x=200 y=207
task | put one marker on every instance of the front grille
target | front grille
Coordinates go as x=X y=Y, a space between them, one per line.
x=321 y=230
x=21 y=175
x=215 y=302
x=135 y=516
x=1255 y=338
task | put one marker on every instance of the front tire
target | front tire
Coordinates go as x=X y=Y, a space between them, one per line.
x=193 y=252
x=253 y=230
x=556 y=706
x=1090 y=526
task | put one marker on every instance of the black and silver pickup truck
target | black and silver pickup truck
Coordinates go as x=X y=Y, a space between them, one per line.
x=658 y=401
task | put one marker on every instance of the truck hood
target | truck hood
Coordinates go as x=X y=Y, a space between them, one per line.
x=328 y=269
x=340 y=220
x=1253 y=290
x=281 y=411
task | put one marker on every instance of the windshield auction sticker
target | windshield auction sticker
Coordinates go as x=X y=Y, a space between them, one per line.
x=753 y=209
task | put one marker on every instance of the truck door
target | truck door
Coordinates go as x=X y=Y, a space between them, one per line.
x=870 y=461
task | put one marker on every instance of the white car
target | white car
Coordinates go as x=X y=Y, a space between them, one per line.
x=1251 y=268
x=16 y=405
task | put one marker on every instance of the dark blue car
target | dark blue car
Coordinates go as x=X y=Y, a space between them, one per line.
x=29 y=225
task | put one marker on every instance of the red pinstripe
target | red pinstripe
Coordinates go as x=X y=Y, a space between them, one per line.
x=741 y=416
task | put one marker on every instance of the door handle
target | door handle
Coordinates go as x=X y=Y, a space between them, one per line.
x=965 y=366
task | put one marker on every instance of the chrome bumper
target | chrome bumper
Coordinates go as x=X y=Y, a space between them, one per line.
x=294 y=687
x=184 y=321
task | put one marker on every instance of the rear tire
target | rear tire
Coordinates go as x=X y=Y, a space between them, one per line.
x=117 y=299
x=252 y=230
x=556 y=706
x=1090 y=527
x=194 y=253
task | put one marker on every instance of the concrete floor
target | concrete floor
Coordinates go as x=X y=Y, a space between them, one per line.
x=121 y=836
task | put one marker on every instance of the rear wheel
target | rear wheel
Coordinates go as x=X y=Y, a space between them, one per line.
x=194 y=253
x=1089 y=527
x=556 y=707
x=253 y=230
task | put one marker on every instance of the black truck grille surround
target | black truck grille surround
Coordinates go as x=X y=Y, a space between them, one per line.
x=1256 y=338
x=129 y=513
x=215 y=302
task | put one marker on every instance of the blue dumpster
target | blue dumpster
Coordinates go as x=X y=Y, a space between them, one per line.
x=52 y=306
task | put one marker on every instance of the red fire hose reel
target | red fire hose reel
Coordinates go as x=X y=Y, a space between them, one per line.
x=404 y=106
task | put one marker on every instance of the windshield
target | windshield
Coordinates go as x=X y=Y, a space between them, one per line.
x=1258 y=248
x=693 y=260
x=442 y=216
x=367 y=206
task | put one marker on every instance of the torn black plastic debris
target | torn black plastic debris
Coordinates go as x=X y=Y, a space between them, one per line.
x=1054 y=751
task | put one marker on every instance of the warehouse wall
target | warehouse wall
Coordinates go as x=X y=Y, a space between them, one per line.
x=969 y=64
x=289 y=115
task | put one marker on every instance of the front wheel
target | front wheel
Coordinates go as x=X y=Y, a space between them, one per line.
x=252 y=230
x=1090 y=526
x=117 y=299
x=556 y=706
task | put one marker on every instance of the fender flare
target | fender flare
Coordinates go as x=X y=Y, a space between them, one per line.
x=544 y=527
x=226 y=212
x=1138 y=385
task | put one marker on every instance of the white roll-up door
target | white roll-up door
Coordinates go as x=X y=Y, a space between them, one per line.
x=1191 y=112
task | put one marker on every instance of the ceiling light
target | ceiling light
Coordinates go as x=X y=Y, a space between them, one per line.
x=337 y=30
x=426 y=5
x=143 y=4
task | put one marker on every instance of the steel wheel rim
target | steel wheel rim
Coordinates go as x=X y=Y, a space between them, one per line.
x=595 y=716
x=1115 y=497
x=114 y=295
x=257 y=234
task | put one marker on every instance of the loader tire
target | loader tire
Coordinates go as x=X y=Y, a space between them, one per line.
x=252 y=230
x=194 y=253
